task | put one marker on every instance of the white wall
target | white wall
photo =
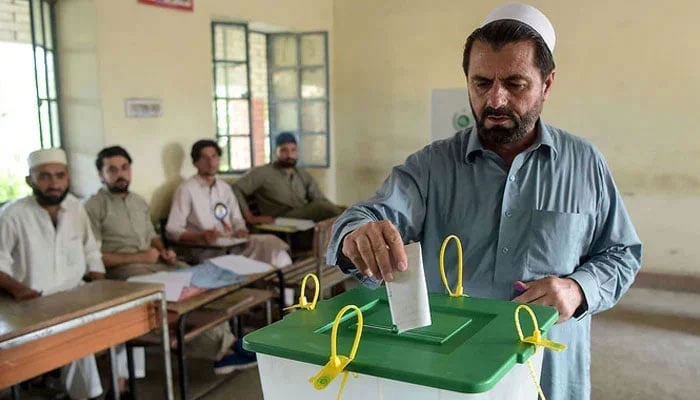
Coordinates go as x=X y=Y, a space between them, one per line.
x=81 y=102
x=137 y=50
x=626 y=79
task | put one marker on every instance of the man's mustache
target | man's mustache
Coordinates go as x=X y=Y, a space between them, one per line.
x=498 y=112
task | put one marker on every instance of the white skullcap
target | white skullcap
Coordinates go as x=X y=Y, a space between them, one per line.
x=46 y=156
x=528 y=15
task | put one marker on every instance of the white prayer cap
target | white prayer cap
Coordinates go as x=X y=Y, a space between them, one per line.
x=46 y=156
x=528 y=15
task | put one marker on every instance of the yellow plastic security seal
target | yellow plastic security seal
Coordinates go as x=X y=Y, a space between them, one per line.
x=459 y=290
x=535 y=339
x=337 y=363
x=303 y=303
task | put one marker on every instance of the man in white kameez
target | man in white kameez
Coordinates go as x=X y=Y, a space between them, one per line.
x=193 y=216
x=46 y=246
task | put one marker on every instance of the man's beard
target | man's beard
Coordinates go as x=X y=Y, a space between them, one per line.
x=118 y=189
x=289 y=163
x=46 y=200
x=502 y=135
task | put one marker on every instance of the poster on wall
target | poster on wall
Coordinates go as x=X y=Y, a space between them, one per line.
x=449 y=112
x=187 y=5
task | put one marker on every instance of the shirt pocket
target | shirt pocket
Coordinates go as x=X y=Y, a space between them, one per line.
x=555 y=242
x=73 y=254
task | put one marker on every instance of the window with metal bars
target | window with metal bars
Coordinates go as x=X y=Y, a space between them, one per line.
x=267 y=83
x=43 y=17
x=29 y=112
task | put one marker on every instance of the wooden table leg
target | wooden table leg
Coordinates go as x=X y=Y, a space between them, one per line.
x=182 y=365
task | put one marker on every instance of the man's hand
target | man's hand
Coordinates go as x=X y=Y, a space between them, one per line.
x=168 y=256
x=210 y=236
x=241 y=233
x=94 y=276
x=150 y=256
x=227 y=226
x=564 y=294
x=25 y=293
x=376 y=249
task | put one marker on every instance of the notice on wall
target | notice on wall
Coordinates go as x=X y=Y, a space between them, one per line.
x=449 y=112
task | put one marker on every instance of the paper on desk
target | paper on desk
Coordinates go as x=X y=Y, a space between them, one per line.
x=298 y=223
x=408 y=293
x=229 y=241
x=174 y=282
x=208 y=275
x=240 y=265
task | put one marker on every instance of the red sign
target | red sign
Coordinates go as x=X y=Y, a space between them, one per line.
x=179 y=4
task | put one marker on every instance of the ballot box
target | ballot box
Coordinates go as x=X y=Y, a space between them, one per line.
x=472 y=350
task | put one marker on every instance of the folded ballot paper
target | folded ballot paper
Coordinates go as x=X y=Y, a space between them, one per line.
x=408 y=293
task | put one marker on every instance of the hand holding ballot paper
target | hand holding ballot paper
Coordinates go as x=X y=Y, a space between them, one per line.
x=408 y=293
x=377 y=250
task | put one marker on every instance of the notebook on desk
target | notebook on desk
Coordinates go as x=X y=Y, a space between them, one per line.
x=297 y=223
x=288 y=225
x=225 y=241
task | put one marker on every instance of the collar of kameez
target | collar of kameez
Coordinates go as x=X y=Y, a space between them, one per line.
x=203 y=182
x=111 y=195
x=474 y=145
x=61 y=206
x=283 y=171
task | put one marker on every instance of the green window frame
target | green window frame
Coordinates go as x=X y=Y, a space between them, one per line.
x=297 y=97
x=43 y=25
x=299 y=93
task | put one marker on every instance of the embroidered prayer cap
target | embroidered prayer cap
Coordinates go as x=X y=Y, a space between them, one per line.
x=46 y=156
x=528 y=15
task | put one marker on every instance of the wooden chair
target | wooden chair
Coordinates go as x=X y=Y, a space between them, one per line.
x=329 y=276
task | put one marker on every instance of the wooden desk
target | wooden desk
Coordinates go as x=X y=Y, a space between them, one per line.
x=194 y=254
x=277 y=228
x=39 y=335
x=328 y=276
x=212 y=308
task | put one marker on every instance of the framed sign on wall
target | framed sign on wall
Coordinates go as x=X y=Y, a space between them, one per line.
x=187 y=5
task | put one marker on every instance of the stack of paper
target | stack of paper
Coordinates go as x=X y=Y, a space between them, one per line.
x=174 y=282
x=408 y=293
x=298 y=223
x=240 y=265
x=229 y=241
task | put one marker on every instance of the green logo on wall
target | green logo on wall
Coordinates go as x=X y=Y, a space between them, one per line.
x=462 y=119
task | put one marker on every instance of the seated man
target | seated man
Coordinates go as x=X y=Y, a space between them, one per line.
x=121 y=221
x=204 y=209
x=280 y=189
x=46 y=246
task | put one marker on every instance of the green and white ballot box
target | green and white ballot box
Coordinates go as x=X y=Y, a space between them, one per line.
x=472 y=350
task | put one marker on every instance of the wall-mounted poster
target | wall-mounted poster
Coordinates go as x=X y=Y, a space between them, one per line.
x=449 y=112
x=179 y=4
